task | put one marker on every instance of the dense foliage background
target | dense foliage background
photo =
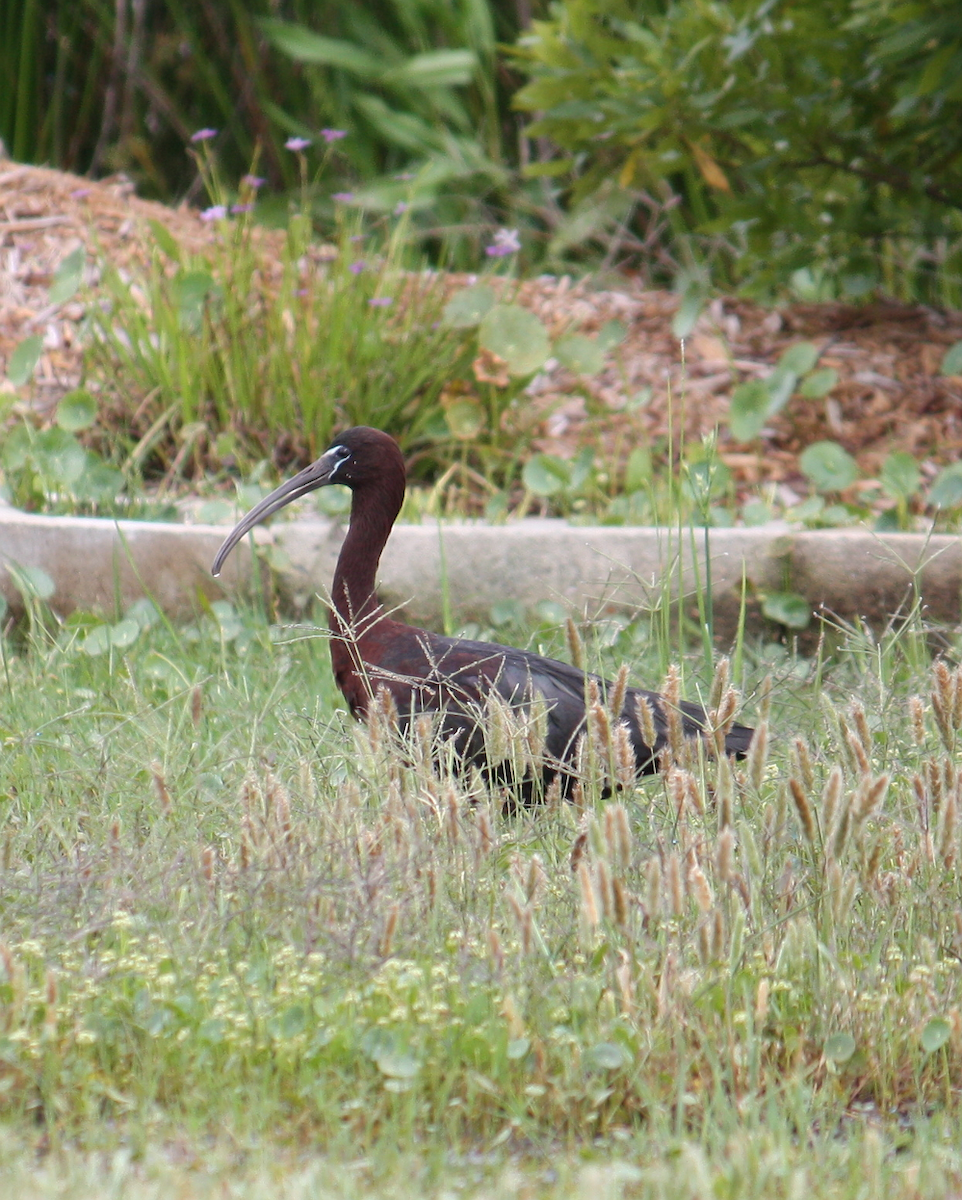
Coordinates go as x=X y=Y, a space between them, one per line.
x=800 y=144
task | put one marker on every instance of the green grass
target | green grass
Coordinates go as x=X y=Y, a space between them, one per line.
x=241 y=933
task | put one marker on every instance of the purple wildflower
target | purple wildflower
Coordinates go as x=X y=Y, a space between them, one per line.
x=241 y=208
x=333 y=135
x=505 y=242
x=357 y=267
x=216 y=212
x=297 y=143
x=400 y=207
x=79 y=193
x=342 y=197
x=203 y=135
x=302 y=292
x=253 y=181
x=380 y=302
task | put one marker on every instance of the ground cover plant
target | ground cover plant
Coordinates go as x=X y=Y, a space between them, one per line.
x=232 y=918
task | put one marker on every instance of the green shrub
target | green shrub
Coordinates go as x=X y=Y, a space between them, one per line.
x=759 y=140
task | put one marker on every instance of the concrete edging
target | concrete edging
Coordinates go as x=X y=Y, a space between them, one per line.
x=105 y=566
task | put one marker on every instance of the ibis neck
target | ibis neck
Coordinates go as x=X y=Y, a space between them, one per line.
x=373 y=511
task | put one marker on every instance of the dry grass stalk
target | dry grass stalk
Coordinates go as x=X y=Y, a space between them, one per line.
x=675 y=877
x=803 y=808
x=724 y=791
x=496 y=953
x=719 y=683
x=452 y=814
x=552 y=797
x=646 y=721
x=387 y=933
x=604 y=889
x=705 y=953
x=757 y=755
x=626 y=985
x=947 y=828
x=589 y=902
x=535 y=879
x=718 y=938
x=196 y=705
x=721 y=719
x=870 y=797
x=578 y=847
x=701 y=888
x=861 y=725
x=624 y=754
x=725 y=854
x=859 y=757
x=765 y=699
x=671 y=691
x=509 y=1010
x=831 y=796
x=619 y=895
x=917 y=717
x=618 y=835
x=599 y=729
x=761 y=1003
x=803 y=762
x=306 y=784
x=160 y=787
x=653 y=890
x=207 y=865
x=576 y=647
x=616 y=698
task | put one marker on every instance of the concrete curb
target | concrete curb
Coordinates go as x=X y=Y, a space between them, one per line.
x=106 y=565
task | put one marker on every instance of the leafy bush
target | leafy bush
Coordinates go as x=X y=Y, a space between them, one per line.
x=760 y=140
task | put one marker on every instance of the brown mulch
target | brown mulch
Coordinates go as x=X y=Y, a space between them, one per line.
x=890 y=394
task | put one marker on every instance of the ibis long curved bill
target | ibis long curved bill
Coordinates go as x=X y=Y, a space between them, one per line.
x=316 y=475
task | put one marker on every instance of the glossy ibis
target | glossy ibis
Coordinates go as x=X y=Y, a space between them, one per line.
x=426 y=672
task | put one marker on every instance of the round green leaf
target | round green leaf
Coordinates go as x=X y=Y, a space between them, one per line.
x=397 y=1064
x=952 y=363
x=819 y=383
x=518 y=1048
x=900 y=475
x=787 y=608
x=33 y=583
x=748 y=410
x=23 y=361
x=781 y=386
x=689 y=310
x=839 y=1048
x=607 y=1056
x=68 y=277
x=828 y=466
x=515 y=335
x=97 y=641
x=946 y=490
x=935 y=1034
x=799 y=359
x=77 y=410
x=545 y=475
x=611 y=334
x=124 y=633
x=465 y=419
x=465 y=309
x=580 y=354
